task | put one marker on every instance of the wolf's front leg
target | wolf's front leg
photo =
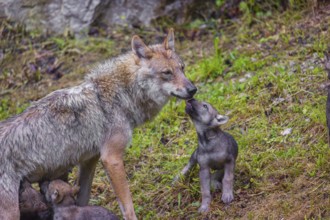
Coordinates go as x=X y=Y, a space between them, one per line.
x=86 y=174
x=112 y=159
x=204 y=178
x=228 y=182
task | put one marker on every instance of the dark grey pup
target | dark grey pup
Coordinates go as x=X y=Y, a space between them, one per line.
x=217 y=150
x=62 y=197
x=327 y=68
x=32 y=204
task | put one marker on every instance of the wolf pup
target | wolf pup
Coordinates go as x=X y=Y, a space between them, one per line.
x=61 y=195
x=93 y=120
x=216 y=150
x=32 y=204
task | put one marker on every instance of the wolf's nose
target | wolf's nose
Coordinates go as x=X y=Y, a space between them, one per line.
x=192 y=91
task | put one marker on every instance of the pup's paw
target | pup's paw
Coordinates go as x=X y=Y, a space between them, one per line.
x=227 y=197
x=203 y=209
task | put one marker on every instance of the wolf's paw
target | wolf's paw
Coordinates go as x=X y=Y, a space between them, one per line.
x=203 y=209
x=227 y=197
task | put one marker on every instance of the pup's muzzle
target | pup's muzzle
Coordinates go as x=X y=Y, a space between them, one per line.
x=189 y=105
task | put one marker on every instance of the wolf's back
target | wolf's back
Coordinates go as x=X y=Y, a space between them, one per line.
x=55 y=131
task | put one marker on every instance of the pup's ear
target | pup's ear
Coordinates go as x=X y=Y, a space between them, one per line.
x=169 y=40
x=221 y=119
x=140 y=49
x=75 y=190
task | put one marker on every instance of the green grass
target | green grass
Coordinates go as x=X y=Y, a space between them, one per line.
x=266 y=78
x=276 y=175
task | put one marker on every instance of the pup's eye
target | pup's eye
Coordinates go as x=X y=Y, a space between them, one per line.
x=205 y=106
x=167 y=72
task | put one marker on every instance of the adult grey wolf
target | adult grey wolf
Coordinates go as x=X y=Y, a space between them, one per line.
x=93 y=120
x=216 y=150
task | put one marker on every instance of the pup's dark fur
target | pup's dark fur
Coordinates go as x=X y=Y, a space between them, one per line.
x=61 y=195
x=216 y=150
x=93 y=120
x=32 y=204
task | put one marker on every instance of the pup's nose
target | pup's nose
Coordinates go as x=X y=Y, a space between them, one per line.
x=192 y=90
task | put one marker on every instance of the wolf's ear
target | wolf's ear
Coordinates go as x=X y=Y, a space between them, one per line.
x=221 y=119
x=140 y=49
x=169 y=40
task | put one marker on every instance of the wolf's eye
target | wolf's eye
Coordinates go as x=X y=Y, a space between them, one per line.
x=167 y=72
x=205 y=106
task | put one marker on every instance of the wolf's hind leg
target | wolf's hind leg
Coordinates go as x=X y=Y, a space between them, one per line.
x=86 y=174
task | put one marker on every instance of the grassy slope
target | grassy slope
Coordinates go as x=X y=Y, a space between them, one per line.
x=266 y=78
x=277 y=176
